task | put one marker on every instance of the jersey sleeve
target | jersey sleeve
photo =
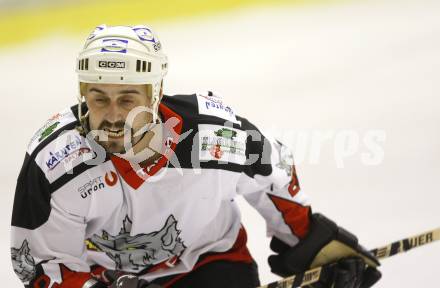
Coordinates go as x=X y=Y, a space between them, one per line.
x=270 y=184
x=47 y=243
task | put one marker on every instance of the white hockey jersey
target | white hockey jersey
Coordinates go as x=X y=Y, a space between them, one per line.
x=76 y=213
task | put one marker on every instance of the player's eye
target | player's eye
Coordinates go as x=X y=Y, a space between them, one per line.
x=126 y=102
x=100 y=100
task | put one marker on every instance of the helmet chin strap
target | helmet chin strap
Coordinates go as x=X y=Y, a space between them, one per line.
x=83 y=127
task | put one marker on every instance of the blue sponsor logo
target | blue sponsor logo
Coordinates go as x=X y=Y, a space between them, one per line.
x=115 y=45
x=218 y=105
x=69 y=152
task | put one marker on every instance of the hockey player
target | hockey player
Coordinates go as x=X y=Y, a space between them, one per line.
x=133 y=188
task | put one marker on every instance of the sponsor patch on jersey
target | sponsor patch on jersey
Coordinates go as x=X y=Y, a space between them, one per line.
x=91 y=186
x=220 y=143
x=114 y=45
x=98 y=183
x=67 y=153
x=63 y=154
x=52 y=124
x=214 y=106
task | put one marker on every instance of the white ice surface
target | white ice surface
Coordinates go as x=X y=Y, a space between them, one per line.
x=356 y=67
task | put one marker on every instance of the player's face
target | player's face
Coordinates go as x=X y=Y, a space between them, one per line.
x=109 y=106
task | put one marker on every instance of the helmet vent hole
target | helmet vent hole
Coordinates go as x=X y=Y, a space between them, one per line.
x=100 y=77
x=149 y=66
x=144 y=66
x=138 y=66
x=122 y=78
x=86 y=64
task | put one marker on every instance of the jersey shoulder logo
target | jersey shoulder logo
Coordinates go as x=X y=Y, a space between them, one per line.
x=213 y=105
x=285 y=158
x=63 y=154
x=219 y=143
x=286 y=163
x=52 y=124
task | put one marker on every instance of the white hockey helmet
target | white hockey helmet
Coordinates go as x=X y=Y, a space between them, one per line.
x=123 y=55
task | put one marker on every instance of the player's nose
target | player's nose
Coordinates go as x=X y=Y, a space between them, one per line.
x=114 y=113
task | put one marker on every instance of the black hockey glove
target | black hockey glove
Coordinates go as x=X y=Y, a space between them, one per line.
x=122 y=280
x=346 y=263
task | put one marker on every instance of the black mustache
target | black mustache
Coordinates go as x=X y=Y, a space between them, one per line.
x=118 y=125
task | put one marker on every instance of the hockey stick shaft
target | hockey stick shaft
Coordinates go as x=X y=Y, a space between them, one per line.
x=407 y=244
x=313 y=275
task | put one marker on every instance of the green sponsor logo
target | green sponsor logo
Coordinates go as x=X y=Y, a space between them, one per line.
x=226 y=133
x=49 y=130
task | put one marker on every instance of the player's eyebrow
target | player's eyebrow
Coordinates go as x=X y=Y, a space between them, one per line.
x=129 y=92
x=96 y=90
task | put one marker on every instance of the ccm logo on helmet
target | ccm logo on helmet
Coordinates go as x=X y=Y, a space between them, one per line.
x=112 y=64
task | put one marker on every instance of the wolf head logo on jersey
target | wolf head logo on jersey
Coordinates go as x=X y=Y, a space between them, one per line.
x=23 y=262
x=141 y=251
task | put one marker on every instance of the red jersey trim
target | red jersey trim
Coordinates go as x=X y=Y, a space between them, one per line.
x=69 y=279
x=238 y=253
x=294 y=214
x=294 y=183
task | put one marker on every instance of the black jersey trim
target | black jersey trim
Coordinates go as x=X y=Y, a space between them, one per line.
x=32 y=197
x=77 y=170
x=260 y=147
x=188 y=107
